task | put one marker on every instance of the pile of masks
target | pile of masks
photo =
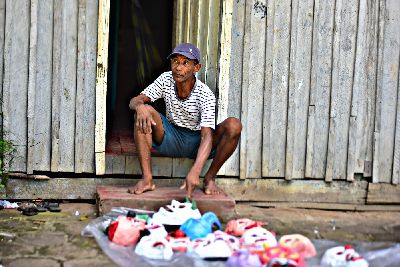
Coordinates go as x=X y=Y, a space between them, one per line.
x=181 y=228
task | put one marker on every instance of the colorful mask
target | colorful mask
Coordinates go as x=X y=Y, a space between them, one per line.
x=238 y=227
x=343 y=256
x=231 y=240
x=299 y=243
x=154 y=247
x=210 y=247
x=177 y=213
x=200 y=228
x=281 y=257
x=157 y=230
x=178 y=241
x=259 y=238
x=125 y=231
x=243 y=258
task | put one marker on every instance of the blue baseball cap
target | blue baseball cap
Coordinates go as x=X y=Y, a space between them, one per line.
x=188 y=50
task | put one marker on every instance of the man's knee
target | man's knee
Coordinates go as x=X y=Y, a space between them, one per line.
x=233 y=126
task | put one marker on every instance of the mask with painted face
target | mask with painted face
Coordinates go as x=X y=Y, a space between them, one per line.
x=343 y=256
x=154 y=247
x=298 y=243
x=258 y=238
x=125 y=231
x=239 y=226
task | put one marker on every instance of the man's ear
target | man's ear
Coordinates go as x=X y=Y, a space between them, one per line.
x=197 y=67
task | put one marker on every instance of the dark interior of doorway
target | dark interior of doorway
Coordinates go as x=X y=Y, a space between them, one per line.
x=140 y=39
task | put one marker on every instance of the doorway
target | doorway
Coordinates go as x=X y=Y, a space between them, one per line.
x=140 y=39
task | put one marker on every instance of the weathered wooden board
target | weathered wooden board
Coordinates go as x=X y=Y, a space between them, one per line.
x=39 y=86
x=396 y=157
x=276 y=88
x=112 y=196
x=101 y=85
x=161 y=166
x=182 y=166
x=344 y=47
x=299 y=87
x=202 y=31
x=15 y=83
x=318 y=113
x=339 y=192
x=195 y=23
x=383 y=194
x=2 y=30
x=387 y=86
x=86 y=79
x=56 y=88
x=245 y=88
x=213 y=26
x=229 y=88
x=362 y=114
x=68 y=64
x=252 y=143
x=327 y=206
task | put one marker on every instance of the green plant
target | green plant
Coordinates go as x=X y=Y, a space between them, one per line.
x=7 y=150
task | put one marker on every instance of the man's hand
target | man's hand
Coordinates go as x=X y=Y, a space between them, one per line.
x=192 y=181
x=144 y=119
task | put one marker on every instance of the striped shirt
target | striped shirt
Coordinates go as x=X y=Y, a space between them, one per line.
x=193 y=112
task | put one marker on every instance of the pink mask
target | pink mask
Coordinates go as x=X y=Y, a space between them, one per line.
x=238 y=227
x=298 y=243
x=125 y=231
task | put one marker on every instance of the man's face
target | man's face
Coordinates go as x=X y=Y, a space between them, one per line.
x=183 y=68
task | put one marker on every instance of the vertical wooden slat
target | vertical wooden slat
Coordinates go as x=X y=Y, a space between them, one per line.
x=342 y=83
x=212 y=45
x=299 y=87
x=2 y=28
x=396 y=157
x=69 y=37
x=15 y=83
x=245 y=90
x=203 y=33
x=56 y=88
x=252 y=143
x=86 y=79
x=276 y=88
x=195 y=17
x=32 y=84
x=39 y=86
x=387 y=86
x=101 y=85
x=177 y=22
x=364 y=90
x=318 y=114
x=229 y=89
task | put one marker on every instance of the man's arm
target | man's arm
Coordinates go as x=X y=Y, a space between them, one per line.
x=144 y=120
x=192 y=179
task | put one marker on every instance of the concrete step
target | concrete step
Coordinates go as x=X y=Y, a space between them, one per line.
x=115 y=196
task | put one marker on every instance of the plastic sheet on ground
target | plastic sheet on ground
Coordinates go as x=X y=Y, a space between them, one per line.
x=382 y=254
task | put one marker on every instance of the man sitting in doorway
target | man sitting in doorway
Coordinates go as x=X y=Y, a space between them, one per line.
x=188 y=130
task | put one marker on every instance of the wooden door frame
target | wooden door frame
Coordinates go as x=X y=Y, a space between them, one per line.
x=101 y=86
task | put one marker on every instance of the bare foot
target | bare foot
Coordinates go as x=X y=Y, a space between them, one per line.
x=211 y=188
x=141 y=187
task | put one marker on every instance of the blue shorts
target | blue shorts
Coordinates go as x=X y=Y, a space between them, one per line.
x=179 y=142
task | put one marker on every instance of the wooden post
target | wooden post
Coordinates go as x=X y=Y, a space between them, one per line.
x=101 y=85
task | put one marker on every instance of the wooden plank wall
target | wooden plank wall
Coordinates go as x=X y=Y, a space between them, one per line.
x=319 y=87
x=48 y=87
x=2 y=28
x=315 y=83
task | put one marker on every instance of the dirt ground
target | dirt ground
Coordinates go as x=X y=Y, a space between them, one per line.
x=53 y=239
